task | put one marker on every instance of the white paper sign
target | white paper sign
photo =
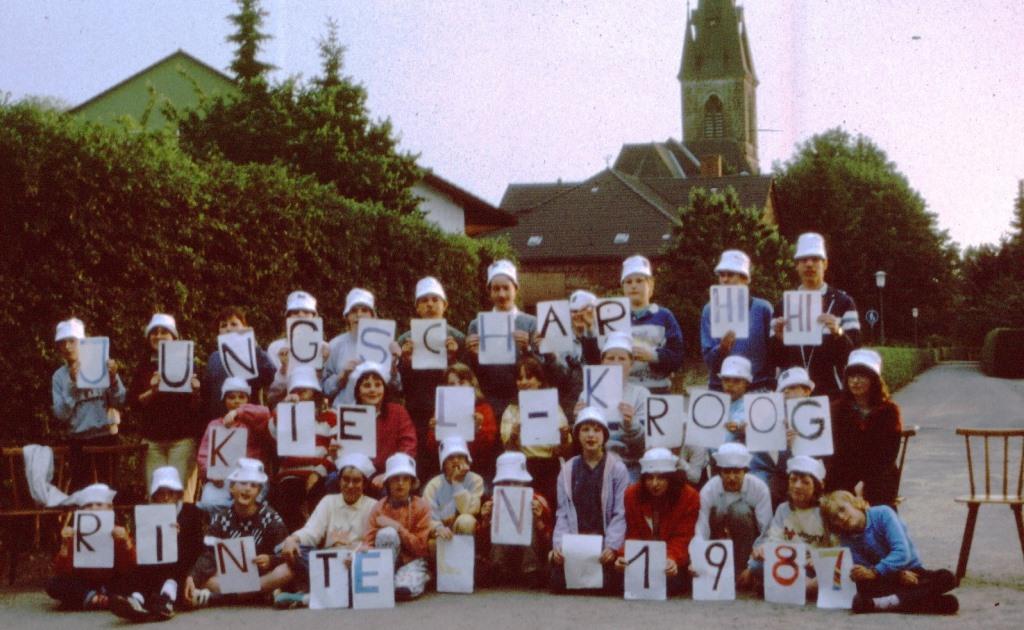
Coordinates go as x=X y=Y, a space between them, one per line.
x=602 y=388
x=811 y=419
x=227 y=446
x=766 y=422
x=175 y=364
x=645 y=571
x=429 y=337
x=156 y=534
x=357 y=429
x=835 y=587
x=497 y=340
x=454 y=407
x=305 y=340
x=801 y=310
x=373 y=341
x=555 y=326
x=612 y=315
x=705 y=422
x=666 y=417
x=716 y=575
x=512 y=516
x=582 y=554
x=538 y=417
x=94 y=539
x=328 y=579
x=93 y=355
x=373 y=579
x=455 y=560
x=730 y=310
x=238 y=354
x=296 y=429
x=236 y=564
x=784 y=579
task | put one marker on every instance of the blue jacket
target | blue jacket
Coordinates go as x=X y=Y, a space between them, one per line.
x=884 y=545
x=754 y=347
x=656 y=327
x=84 y=409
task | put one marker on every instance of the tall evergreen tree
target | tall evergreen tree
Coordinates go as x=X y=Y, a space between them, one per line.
x=248 y=39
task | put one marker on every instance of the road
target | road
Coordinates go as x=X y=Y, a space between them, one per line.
x=991 y=596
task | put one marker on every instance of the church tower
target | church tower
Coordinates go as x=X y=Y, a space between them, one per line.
x=719 y=87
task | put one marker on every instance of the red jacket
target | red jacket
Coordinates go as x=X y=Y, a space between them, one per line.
x=124 y=560
x=676 y=523
x=395 y=434
x=252 y=417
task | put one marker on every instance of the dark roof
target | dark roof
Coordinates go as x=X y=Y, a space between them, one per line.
x=520 y=197
x=173 y=55
x=753 y=190
x=478 y=211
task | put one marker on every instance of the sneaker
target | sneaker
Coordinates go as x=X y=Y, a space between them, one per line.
x=163 y=608
x=128 y=608
x=204 y=597
x=286 y=601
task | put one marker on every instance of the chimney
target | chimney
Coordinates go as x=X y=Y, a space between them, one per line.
x=711 y=165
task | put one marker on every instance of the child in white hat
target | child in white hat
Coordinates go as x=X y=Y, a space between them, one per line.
x=395 y=431
x=514 y=564
x=499 y=381
x=342 y=360
x=591 y=490
x=566 y=368
x=455 y=494
x=300 y=305
x=92 y=414
x=155 y=588
x=91 y=589
x=866 y=427
x=733 y=504
x=235 y=394
x=797 y=520
x=170 y=422
x=401 y=522
x=658 y=340
x=662 y=506
x=736 y=377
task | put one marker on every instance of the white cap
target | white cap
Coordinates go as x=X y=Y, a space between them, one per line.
x=810 y=245
x=736 y=366
x=581 y=299
x=868 y=358
x=96 y=493
x=358 y=461
x=70 y=329
x=453 y=445
x=303 y=376
x=735 y=261
x=248 y=469
x=399 y=464
x=367 y=367
x=807 y=465
x=658 y=460
x=430 y=286
x=166 y=477
x=511 y=466
x=162 y=320
x=636 y=264
x=591 y=414
x=732 y=455
x=234 y=384
x=300 y=301
x=618 y=341
x=359 y=297
x=502 y=268
x=794 y=376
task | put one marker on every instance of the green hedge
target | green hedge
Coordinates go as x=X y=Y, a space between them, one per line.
x=901 y=365
x=112 y=225
x=1002 y=355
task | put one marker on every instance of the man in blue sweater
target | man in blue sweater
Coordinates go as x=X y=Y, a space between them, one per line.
x=657 y=338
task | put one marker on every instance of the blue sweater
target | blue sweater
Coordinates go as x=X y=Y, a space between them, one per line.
x=498 y=382
x=884 y=545
x=84 y=409
x=657 y=328
x=754 y=347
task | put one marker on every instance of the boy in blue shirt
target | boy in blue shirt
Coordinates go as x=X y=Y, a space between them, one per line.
x=657 y=338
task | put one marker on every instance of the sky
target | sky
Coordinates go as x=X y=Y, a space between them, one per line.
x=493 y=92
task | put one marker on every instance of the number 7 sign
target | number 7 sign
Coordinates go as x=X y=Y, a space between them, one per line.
x=835 y=587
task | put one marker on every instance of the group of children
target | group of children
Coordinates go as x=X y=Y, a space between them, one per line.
x=598 y=475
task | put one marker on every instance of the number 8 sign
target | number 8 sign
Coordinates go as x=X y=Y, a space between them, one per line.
x=785 y=581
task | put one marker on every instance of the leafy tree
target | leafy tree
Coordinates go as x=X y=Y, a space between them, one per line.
x=846 y=188
x=710 y=224
x=249 y=39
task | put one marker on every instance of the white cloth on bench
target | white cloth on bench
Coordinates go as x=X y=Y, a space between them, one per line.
x=39 y=473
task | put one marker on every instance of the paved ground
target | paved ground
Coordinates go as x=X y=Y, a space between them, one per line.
x=992 y=595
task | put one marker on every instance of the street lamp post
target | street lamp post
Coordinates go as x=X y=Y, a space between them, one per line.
x=915 y=313
x=880 y=283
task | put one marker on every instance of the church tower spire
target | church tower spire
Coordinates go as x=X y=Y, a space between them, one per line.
x=719 y=87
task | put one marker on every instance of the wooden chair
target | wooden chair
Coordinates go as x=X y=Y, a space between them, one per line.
x=1009 y=495
x=901 y=456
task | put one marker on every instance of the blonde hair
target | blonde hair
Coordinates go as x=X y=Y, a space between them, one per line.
x=831 y=503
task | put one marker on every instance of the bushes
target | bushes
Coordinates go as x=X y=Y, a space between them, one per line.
x=901 y=365
x=110 y=226
x=1002 y=355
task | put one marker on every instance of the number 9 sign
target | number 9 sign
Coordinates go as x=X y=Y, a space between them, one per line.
x=785 y=581
x=716 y=575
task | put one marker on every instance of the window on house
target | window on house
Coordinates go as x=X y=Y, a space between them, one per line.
x=621 y=238
x=534 y=240
x=714 y=118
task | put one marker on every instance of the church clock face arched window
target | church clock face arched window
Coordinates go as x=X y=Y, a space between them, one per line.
x=714 y=118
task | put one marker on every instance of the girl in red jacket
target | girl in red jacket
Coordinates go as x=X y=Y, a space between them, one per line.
x=662 y=506
x=395 y=430
x=484 y=448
